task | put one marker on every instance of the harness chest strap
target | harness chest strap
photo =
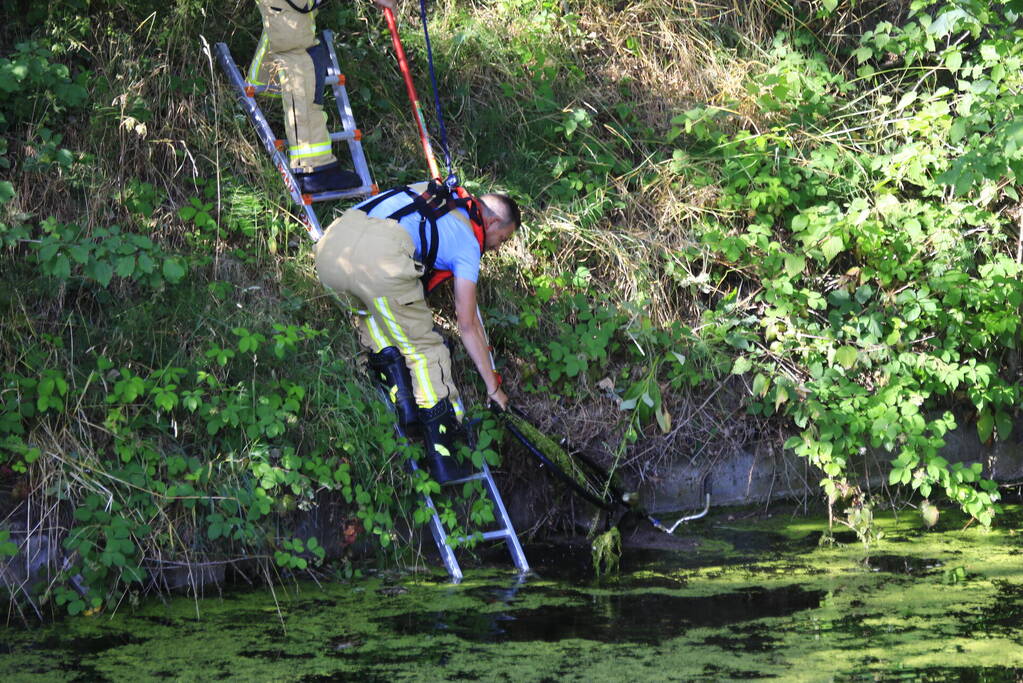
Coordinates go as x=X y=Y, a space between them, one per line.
x=431 y=205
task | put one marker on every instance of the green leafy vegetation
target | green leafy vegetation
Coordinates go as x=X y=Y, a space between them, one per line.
x=884 y=285
x=737 y=223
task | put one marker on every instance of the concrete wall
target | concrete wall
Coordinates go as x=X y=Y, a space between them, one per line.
x=763 y=474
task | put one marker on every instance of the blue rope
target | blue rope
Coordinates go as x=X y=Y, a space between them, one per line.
x=452 y=179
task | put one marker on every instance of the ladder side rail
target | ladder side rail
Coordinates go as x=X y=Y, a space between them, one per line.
x=512 y=538
x=248 y=104
x=440 y=537
x=255 y=114
x=344 y=110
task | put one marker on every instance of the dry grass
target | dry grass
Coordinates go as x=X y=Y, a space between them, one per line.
x=664 y=54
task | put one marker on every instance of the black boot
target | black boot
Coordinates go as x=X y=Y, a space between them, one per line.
x=327 y=178
x=441 y=435
x=389 y=369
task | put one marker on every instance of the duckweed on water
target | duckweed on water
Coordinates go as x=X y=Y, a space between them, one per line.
x=924 y=605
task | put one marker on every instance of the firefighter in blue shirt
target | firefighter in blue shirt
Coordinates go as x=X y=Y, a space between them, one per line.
x=386 y=251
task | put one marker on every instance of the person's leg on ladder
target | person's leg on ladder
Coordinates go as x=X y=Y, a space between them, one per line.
x=289 y=47
x=410 y=325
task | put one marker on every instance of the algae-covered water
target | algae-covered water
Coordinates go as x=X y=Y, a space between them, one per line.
x=732 y=601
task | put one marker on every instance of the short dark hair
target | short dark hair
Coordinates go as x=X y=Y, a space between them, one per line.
x=505 y=207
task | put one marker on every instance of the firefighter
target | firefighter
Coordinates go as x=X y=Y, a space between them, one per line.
x=387 y=251
x=290 y=57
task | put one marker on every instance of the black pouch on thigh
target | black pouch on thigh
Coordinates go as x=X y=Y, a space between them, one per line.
x=321 y=62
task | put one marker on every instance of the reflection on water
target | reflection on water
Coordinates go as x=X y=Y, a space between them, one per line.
x=740 y=602
x=612 y=618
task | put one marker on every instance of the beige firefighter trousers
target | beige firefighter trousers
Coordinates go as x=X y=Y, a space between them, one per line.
x=281 y=57
x=373 y=260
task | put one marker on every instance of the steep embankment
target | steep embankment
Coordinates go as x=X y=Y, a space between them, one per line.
x=741 y=226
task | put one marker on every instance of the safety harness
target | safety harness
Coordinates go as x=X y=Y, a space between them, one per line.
x=432 y=204
x=316 y=4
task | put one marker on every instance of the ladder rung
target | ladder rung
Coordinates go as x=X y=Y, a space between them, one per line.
x=472 y=477
x=346 y=135
x=339 y=194
x=488 y=535
x=253 y=90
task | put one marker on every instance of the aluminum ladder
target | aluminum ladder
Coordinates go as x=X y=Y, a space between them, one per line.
x=246 y=96
x=504 y=531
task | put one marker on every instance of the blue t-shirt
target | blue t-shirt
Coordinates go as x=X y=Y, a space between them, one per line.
x=458 y=250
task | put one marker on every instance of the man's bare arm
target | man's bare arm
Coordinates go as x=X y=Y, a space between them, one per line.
x=475 y=340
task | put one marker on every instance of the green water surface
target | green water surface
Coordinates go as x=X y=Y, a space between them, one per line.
x=748 y=600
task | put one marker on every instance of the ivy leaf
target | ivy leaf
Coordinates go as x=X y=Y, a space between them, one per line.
x=945 y=24
x=1014 y=136
x=985 y=426
x=846 y=356
x=742 y=364
x=174 y=270
x=781 y=394
x=761 y=384
x=62 y=267
x=907 y=99
x=832 y=247
x=954 y=60
x=146 y=263
x=863 y=293
x=165 y=400
x=6 y=192
x=1003 y=424
x=125 y=266
x=100 y=271
x=663 y=419
x=958 y=130
x=794 y=264
x=895 y=475
x=79 y=253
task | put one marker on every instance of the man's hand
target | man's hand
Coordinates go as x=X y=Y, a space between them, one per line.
x=499 y=397
x=385 y=4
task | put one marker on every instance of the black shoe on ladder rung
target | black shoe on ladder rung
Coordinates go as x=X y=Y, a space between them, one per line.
x=246 y=96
